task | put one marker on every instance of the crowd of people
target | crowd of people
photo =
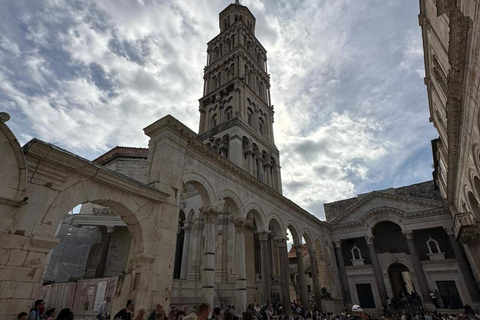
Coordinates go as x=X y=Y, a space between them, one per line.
x=268 y=311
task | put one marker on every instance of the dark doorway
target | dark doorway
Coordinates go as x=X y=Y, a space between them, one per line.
x=449 y=293
x=400 y=280
x=365 y=295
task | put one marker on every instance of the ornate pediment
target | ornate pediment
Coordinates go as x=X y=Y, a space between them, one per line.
x=380 y=202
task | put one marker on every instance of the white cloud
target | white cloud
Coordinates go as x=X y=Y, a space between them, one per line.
x=346 y=82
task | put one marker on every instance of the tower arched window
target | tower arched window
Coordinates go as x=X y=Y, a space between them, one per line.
x=229 y=113
x=214 y=82
x=214 y=120
x=261 y=126
x=250 y=117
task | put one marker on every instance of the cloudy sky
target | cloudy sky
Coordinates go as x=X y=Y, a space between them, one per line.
x=347 y=82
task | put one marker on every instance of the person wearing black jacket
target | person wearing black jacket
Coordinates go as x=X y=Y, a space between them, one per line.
x=357 y=312
x=126 y=313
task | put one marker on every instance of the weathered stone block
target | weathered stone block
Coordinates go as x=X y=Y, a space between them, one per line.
x=23 y=290
x=17 y=257
x=7 y=288
x=35 y=259
x=44 y=230
x=4 y=255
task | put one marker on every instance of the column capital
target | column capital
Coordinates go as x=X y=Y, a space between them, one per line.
x=449 y=230
x=281 y=242
x=240 y=224
x=312 y=252
x=338 y=243
x=408 y=234
x=187 y=226
x=209 y=213
x=263 y=235
x=369 y=238
x=298 y=248
x=110 y=228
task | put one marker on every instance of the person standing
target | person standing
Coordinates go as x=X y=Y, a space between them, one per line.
x=103 y=311
x=357 y=312
x=126 y=313
x=37 y=311
x=203 y=311
x=141 y=314
x=22 y=316
x=51 y=314
x=158 y=310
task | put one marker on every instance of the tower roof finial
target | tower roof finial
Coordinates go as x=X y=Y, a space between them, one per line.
x=237 y=2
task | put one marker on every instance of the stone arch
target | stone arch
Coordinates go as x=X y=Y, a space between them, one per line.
x=257 y=213
x=201 y=184
x=275 y=223
x=191 y=215
x=296 y=236
x=308 y=239
x=233 y=201
x=125 y=205
x=374 y=217
x=390 y=262
x=476 y=185
x=15 y=181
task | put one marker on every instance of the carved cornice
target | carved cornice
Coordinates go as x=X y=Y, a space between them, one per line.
x=456 y=79
x=377 y=194
x=53 y=163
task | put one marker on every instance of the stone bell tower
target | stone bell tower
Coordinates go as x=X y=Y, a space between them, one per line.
x=236 y=114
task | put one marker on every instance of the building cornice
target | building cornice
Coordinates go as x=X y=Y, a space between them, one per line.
x=45 y=152
x=377 y=194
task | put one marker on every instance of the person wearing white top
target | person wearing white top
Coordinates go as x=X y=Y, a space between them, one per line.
x=103 y=312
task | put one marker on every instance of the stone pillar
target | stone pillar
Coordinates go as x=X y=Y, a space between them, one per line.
x=301 y=275
x=100 y=272
x=186 y=250
x=316 y=280
x=208 y=272
x=263 y=237
x=241 y=281
x=417 y=265
x=347 y=299
x=464 y=267
x=376 y=268
x=284 y=273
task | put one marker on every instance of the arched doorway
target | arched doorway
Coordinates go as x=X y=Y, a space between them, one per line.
x=400 y=280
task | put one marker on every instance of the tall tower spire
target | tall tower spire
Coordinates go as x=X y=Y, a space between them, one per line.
x=236 y=114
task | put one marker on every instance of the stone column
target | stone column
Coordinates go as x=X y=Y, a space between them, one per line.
x=347 y=299
x=316 y=280
x=208 y=272
x=265 y=264
x=376 y=268
x=241 y=281
x=100 y=272
x=464 y=267
x=186 y=250
x=417 y=265
x=301 y=275
x=284 y=273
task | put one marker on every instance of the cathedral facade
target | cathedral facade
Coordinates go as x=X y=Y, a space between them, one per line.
x=201 y=217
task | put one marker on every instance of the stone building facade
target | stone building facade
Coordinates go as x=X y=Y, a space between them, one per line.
x=395 y=241
x=451 y=43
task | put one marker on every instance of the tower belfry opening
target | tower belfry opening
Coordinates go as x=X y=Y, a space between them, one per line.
x=236 y=114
